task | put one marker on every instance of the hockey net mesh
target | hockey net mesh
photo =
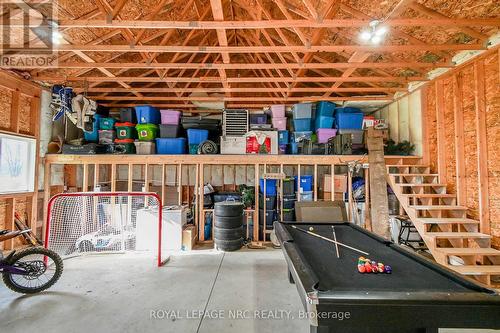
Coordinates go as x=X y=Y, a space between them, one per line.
x=104 y=222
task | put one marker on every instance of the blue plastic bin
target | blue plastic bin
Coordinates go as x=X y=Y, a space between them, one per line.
x=325 y=109
x=283 y=137
x=297 y=136
x=346 y=110
x=302 y=110
x=349 y=121
x=307 y=196
x=146 y=114
x=94 y=135
x=270 y=187
x=302 y=125
x=196 y=136
x=306 y=182
x=171 y=146
x=323 y=122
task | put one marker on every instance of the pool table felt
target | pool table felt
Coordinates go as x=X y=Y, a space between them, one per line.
x=342 y=273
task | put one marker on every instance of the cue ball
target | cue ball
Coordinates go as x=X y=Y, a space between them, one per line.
x=311 y=228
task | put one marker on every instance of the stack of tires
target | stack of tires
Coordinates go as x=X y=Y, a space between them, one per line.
x=228 y=225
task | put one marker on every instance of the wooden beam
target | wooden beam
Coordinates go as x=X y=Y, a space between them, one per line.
x=118 y=7
x=312 y=10
x=440 y=124
x=217 y=79
x=266 y=24
x=259 y=49
x=239 y=90
x=218 y=15
x=241 y=99
x=482 y=146
x=425 y=125
x=459 y=140
x=241 y=66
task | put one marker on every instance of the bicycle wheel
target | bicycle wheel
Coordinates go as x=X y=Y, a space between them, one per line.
x=42 y=269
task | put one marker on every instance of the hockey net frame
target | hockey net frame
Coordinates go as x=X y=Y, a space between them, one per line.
x=112 y=227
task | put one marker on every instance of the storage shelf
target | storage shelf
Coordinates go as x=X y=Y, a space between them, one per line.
x=213 y=159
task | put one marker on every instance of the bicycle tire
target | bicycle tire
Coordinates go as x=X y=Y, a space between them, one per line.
x=7 y=277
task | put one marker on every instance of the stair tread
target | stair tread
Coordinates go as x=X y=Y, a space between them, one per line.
x=457 y=234
x=430 y=195
x=437 y=207
x=421 y=184
x=443 y=220
x=476 y=269
x=469 y=251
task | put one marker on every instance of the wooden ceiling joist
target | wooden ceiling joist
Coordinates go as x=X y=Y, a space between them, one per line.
x=243 y=99
x=253 y=52
x=246 y=66
x=265 y=24
x=239 y=79
x=239 y=90
x=263 y=49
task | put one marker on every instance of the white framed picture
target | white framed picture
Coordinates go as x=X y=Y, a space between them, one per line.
x=17 y=164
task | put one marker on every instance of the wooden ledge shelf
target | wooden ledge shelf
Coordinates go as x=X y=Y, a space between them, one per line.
x=213 y=159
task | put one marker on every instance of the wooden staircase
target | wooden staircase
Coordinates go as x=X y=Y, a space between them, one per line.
x=443 y=225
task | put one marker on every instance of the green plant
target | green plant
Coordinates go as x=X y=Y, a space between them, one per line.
x=403 y=148
x=247 y=195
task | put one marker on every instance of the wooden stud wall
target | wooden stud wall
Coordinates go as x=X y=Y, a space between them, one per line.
x=462 y=119
x=19 y=114
x=206 y=169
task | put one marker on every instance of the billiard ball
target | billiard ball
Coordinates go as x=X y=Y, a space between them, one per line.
x=311 y=229
x=388 y=269
x=361 y=269
x=381 y=267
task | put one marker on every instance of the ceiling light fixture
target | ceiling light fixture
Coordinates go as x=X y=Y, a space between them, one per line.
x=375 y=34
x=57 y=37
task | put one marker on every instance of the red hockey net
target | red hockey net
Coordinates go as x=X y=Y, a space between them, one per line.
x=105 y=222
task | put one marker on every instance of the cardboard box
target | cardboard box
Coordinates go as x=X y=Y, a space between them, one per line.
x=188 y=238
x=233 y=145
x=327 y=196
x=340 y=183
x=320 y=211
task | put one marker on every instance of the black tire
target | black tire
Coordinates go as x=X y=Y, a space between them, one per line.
x=86 y=246
x=228 y=209
x=228 y=245
x=12 y=285
x=223 y=222
x=290 y=278
x=228 y=234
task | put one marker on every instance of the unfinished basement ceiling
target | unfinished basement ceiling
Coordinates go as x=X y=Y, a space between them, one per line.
x=281 y=51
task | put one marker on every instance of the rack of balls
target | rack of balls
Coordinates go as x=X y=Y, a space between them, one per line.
x=366 y=265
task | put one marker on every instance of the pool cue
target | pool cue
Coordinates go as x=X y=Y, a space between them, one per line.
x=335 y=239
x=331 y=241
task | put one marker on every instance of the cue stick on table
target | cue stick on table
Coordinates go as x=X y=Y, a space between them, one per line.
x=331 y=241
x=335 y=239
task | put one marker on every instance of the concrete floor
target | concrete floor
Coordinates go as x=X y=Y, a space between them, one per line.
x=127 y=293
